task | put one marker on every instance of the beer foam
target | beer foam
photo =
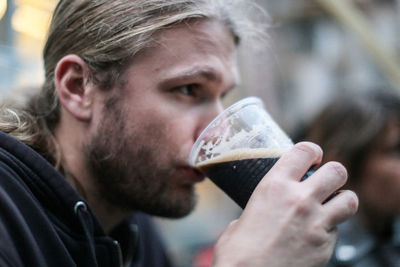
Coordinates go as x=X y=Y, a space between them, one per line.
x=266 y=136
x=242 y=154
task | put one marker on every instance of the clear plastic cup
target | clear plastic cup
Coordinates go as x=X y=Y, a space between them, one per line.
x=239 y=147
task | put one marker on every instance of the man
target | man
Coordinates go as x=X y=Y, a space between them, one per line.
x=129 y=86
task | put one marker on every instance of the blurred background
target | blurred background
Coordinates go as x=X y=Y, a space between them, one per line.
x=316 y=49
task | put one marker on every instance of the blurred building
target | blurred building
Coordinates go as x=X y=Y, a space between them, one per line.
x=316 y=48
x=323 y=47
x=23 y=27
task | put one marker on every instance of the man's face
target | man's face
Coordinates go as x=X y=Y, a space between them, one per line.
x=139 y=151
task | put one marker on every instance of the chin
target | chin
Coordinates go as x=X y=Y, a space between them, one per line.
x=175 y=208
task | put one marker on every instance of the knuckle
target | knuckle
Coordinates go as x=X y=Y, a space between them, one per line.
x=318 y=237
x=265 y=189
x=301 y=202
x=276 y=184
x=338 y=171
x=309 y=148
x=338 y=168
x=352 y=202
x=302 y=209
x=324 y=243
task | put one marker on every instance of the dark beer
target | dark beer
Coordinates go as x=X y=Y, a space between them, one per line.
x=237 y=174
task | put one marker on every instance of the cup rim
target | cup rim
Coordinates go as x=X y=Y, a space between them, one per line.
x=251 y=100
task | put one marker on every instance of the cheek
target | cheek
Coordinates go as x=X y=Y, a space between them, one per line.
x=171 y=136
x=381 y=185
x=181 y=132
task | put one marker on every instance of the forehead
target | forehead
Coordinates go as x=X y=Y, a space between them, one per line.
x=180 y=41
x=198 y=46
x=389 y=135
x=211 y=31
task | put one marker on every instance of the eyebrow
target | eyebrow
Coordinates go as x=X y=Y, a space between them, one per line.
x=203 y=73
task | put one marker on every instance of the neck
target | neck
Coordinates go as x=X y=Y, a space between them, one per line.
x=107 y=214
x=79 y=176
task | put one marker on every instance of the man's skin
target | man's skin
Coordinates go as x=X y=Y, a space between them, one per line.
x=141 y=132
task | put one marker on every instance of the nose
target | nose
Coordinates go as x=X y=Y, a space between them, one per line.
x=208 y=113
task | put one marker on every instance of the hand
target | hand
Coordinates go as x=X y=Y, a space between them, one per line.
x=286 y=222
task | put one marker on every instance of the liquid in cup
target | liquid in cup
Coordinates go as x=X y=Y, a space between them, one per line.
x=239 y=147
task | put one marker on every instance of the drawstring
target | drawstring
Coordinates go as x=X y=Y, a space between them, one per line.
x=132 y=248
x=80 y=209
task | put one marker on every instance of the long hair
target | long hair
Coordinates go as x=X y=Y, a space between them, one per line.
x=107 y=35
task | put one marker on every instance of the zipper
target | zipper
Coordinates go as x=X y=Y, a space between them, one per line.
x=118 y=247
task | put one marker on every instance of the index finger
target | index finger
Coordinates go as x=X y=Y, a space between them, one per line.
x=297 y=161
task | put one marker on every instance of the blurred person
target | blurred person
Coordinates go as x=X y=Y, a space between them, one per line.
x=362 y=131
x=129 y=85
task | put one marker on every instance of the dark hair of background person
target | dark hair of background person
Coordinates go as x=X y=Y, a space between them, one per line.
x=351 y=123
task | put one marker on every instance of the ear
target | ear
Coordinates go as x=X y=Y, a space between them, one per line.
x=74 y=91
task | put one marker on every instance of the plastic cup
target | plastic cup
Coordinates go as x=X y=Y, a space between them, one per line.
x=239 y=147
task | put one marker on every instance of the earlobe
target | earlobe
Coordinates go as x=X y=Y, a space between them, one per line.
x=74 y=91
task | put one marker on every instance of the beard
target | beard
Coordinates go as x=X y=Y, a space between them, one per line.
x=130 y=169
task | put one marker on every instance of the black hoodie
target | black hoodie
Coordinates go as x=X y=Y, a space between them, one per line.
x=44 y=222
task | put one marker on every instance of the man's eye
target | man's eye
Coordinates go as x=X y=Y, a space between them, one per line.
x=189 y=89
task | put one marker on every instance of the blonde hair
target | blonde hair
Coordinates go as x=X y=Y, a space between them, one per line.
x=107 y=35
